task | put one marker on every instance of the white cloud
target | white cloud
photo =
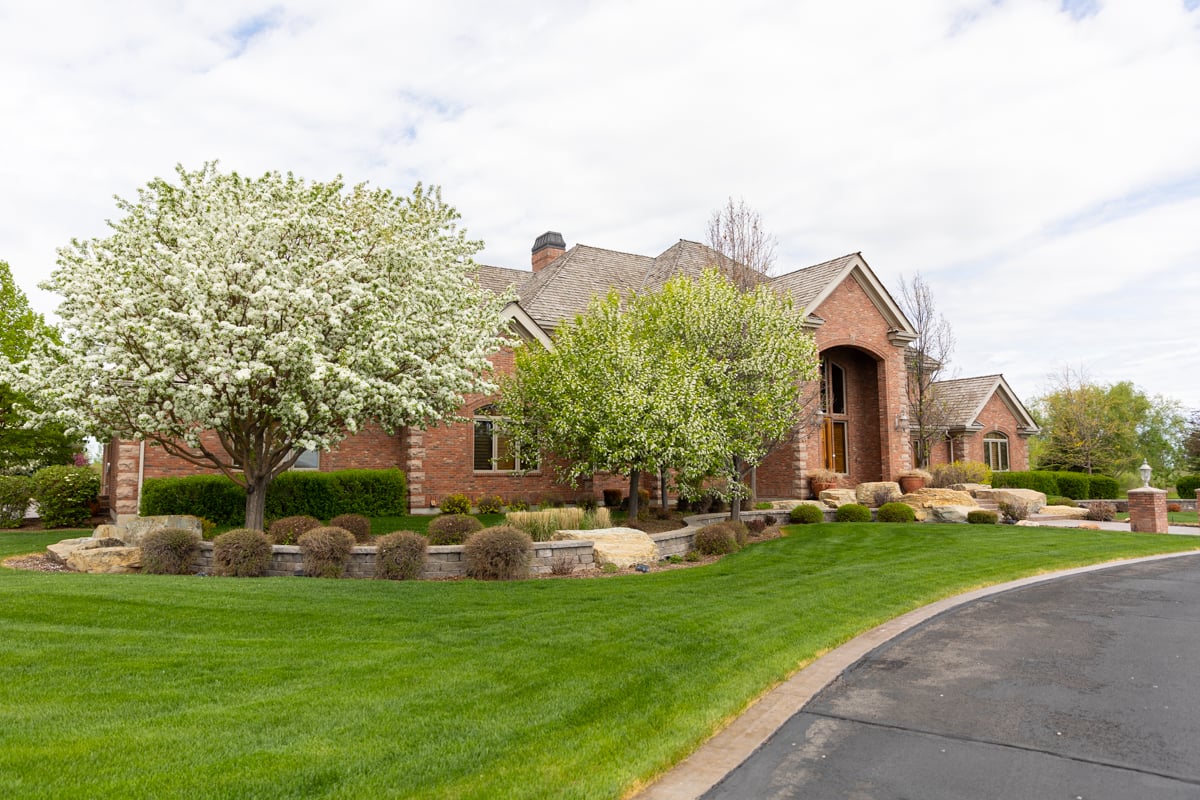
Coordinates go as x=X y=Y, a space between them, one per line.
x=1037 y=164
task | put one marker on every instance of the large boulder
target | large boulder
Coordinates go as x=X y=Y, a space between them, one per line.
x=1031 y=501
x=927 y=505
x=876 y=493
x=969 y=488
x=1063 y=512
x=106 y=559
x=836 y=498
x=623 y=547
x=135 y=530
x=949 y=513
x=60 y=551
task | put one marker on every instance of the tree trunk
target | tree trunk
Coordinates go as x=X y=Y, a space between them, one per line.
x=256 y=500
x=662 y=486
x=735 y=504
x=634 y=477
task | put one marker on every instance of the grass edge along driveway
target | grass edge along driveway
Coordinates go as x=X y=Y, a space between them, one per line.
x=148 y=686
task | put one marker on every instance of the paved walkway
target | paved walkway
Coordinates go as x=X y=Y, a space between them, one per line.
x=1085 y=686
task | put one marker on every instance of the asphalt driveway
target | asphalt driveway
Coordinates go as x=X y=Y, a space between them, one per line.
x=1083 y=688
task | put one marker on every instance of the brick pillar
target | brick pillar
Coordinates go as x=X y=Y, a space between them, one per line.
x=1148 y=510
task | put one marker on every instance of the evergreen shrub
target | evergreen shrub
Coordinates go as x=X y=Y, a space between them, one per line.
x=65 y=495
x=1103 y=487
x=1074 y=485
x=169 y=551
x=358 y=525
x=805 y=514
x=242 y=553
x=716 y=539
x=490 y=504
x=853 y=512
x=502 y=553
x=455 y=504
x=15 y=493
x=400 y=556
x=982 y=517
x=895 y=512
x=1186 y=486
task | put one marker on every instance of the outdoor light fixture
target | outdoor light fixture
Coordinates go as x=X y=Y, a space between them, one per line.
x=1144 y=470
x=902 y=421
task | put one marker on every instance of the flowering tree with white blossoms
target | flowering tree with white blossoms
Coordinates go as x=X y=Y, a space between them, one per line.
x=280 y=314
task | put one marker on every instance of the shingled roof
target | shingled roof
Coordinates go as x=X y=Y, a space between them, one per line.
x=966 y=397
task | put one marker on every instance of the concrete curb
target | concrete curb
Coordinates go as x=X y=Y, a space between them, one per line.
x=703 y=769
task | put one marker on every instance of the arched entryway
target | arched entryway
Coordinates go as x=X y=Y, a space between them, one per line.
x=849 y=439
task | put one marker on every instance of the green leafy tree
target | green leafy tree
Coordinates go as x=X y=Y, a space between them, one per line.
x=23 y=448
x=1107 y=428
x=611 y=396
x=276 y=313
x=1191 y=443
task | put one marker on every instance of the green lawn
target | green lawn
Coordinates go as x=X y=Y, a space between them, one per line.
x=133 y=686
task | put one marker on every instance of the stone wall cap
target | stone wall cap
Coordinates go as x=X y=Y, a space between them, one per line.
x=1147 y=490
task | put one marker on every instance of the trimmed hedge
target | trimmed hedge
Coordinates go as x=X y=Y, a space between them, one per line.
x=983 y=517
x=1076 y=485
x=324 y=495
x=15 y=493
x=1187 y=486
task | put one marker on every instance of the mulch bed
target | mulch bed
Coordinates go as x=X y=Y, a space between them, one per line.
x=36 y=562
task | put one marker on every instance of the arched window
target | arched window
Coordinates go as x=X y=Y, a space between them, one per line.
x=995 y=451
x=493 y=450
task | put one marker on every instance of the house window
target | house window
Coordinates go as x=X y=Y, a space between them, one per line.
x=995 y=451
x=834 y=433
x=494 y=451
x=309 y=459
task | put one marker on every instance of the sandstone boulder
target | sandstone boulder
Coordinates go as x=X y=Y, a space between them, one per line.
x=623 y=547
x=135 y=530
x=106 y=559
x=835 y=498
x=59 y=551
x=1032 y=501
x=875 y=494
x=969 y=488
x=949 y=513
x=1063 y=512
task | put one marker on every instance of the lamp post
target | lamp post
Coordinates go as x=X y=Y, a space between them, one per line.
x=1144 y=470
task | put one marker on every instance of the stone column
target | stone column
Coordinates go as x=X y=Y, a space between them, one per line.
x=1147 y=510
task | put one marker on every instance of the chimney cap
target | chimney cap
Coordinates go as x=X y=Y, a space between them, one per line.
x=549 y=239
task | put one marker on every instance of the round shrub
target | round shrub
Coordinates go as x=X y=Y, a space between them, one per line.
x=740 y=532
x=1186 y=486
x=502 y=553
x=242 y=553
x=358 y=525
x=325 y=551
x=612 y=497
x=805 y=514
x=1174 y=508
x=65 y=495
x=895 y=512
x=288 y=529
x=853 y=512
x=15 y=493
x=1101 y=511
x=169 y=551
x=491 y=504
x=400 y=556
x=518 y=504
x=982 y=517
x=756 y=525
x=452 y=528
x=455 y=504
x=715 y=540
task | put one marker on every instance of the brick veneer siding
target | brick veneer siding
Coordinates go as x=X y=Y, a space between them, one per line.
x=996 y=416
x=1148 y=511
x=856 y=336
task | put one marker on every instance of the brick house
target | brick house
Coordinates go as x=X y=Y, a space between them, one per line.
x=861 y=429
x=987 y=422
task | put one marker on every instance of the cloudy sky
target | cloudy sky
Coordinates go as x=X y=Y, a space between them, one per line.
x=1037 y=161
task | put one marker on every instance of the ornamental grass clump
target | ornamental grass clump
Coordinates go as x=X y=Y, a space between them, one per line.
x=289 y=529
x=169 y=551
x=502 y=553
x=542 y=525
x=452 y=529
x=896 y=512
x=242 y=553
x=325 y=551
x=853 y=512
x=806 y=514
x=717 y=539
x=400 y=556
x=15 y=493
x=358 y=525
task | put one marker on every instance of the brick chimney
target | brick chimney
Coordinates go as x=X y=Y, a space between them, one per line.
x=549 y=246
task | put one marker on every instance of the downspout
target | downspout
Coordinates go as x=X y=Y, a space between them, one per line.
x=141 y=476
